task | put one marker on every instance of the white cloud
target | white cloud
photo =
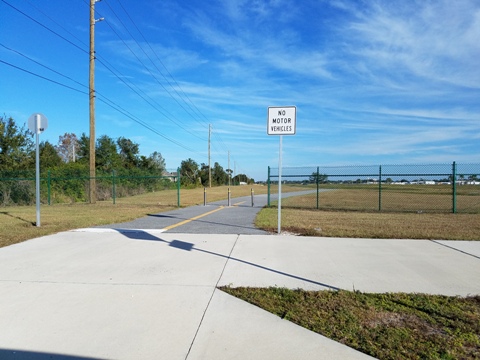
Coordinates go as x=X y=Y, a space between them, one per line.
x=431 y=40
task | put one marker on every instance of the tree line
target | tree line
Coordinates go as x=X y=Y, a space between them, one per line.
x=192 y=175
x=67 y=164
x=17 y=152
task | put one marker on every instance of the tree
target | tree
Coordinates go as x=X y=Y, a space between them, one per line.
x=83 y=153
x=229 y=173
x=153 y=163
x=242 y=178
x=128 y=152
x=67 y=147
x=189 y=172
x=106 y=156
x=322 y=178
x=16 y=146
x=49 y=157
x=203 y=173
x=219 y=176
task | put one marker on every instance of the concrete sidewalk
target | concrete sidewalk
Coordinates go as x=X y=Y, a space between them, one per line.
x=145 y=294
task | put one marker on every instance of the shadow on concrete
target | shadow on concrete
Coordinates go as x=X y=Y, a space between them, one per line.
x=186 y=246
x=11 y=354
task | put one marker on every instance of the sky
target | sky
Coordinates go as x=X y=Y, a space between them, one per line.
x=373 y=82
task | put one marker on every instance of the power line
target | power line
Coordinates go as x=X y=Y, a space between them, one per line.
x=45 y=27
x=116 y=73
x=44 y=78
x=44 y=66
x=78 y=47
x=145 y=66
x=168 y=72
x=106 y=101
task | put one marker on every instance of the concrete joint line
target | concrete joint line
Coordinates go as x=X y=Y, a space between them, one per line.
x=211 y=297
x=452 y=248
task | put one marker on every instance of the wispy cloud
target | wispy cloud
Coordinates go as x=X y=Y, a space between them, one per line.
x=435 y=41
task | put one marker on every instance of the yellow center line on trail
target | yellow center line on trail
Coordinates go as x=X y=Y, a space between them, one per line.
x=192 y=219
x=239 y=203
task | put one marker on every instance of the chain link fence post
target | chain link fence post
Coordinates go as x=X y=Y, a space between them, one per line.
x=49 y=178
x=380 y=188
x=178 y=187
x=113 y=187
x=268 y=186
x=454 y=188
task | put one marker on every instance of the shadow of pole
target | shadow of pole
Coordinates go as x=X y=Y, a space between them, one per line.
x=186 y=246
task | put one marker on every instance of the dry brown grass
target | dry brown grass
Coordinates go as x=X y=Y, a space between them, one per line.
x=17 y=223
x=393 y=198
x=373 y=224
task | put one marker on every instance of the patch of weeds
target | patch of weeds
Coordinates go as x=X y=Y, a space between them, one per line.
x=386 y=326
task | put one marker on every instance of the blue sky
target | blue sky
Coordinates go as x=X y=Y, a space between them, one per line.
x=374 y=82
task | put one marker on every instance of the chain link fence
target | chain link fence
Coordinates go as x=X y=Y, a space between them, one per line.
x=433 y=188
x=72 y=186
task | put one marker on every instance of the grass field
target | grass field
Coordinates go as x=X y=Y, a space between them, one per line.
x=17 y=223
x=372 y=224
x=392 y=198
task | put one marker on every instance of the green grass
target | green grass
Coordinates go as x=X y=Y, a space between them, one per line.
x=386 y=326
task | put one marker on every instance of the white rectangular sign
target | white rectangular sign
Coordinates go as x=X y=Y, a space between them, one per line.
x=281 y=120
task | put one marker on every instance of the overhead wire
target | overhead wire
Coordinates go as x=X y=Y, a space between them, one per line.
x=109 y=67
x=101 y=98
x=146 y=67
x=44 y=66
x=195 y=108
x=42 y=77
x=215 y=134
x=175 y=122
x=45 y=27
x=105 y=99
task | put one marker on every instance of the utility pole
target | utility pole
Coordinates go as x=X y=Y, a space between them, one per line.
x=93 y=189
x=209 y=157
x=229 y=170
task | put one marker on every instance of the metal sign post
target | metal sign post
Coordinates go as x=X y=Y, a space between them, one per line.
x=37 y=123
x=279 y=221
x=281 y=121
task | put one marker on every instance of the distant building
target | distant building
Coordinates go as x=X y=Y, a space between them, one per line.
x=170 y=175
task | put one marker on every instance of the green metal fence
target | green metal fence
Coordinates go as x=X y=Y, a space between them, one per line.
x=18 y=187
x=435 y=188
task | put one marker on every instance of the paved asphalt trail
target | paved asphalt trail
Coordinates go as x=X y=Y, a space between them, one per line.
x=214 y=218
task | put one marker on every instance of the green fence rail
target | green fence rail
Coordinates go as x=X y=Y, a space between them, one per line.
x=437 y=188
x=18 y=187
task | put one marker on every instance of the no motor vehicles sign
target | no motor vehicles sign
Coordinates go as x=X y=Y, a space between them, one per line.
x=281 y=120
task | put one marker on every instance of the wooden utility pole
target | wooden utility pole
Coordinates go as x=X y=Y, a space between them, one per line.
x=93 y=190
x=93 y=186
